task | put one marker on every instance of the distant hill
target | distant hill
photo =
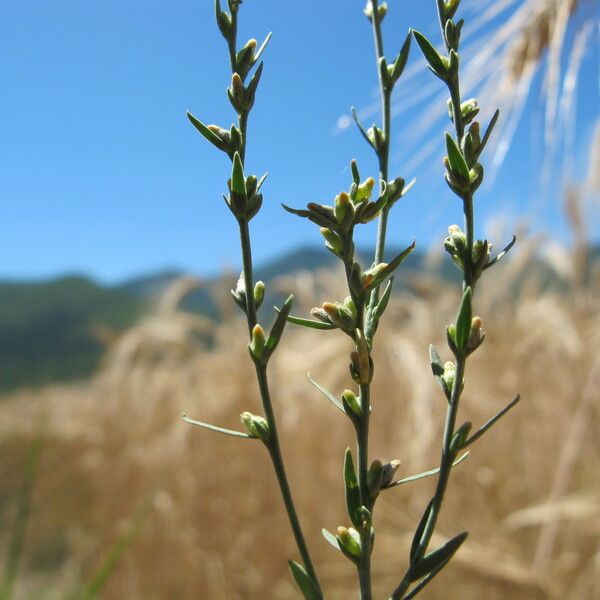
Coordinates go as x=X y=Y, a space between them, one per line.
x=57 y=330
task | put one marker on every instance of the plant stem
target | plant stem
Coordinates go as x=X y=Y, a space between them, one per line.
x=362 y=452
x=383 y=154
x=263 y=385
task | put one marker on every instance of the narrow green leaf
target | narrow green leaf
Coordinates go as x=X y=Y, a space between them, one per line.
x=254 y=81
x=491 y=422
x=362 y=130
x=501 y=254
x=431 y=54
x=416 y=542
x=278 y=326
x=335 y=401
x=263 y=46
x=436 y=362
x=422 y=583
x=238 y=181
x=488 y=132
x=383 y=301
x=438 y=558
x=424 y=473
x=463 y=320
x=353 y=503
x=391 y=267
x=230 y=432
x=205 y=131
x=329 y=537
x=456 y=158
x=306 y=584
x=308 y=322
x=401 y=59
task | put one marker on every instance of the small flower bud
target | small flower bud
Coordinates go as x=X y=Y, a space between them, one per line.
x=375 y=478
x=350 y=543
x=381 y=11
x=476 y=335
x=257 y=344
x=469 y=110
x=258 y=427
x=370 y=275
x=448 y=377
x=343 y=211
x=339 y=316
x=389 y=470
x=245 y=57
x=259 y=293
x=376 y=137
x=350 y=400
x=320 y=314
x=334 y=242
x=365 y=189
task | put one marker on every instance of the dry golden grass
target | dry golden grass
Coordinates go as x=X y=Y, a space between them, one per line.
x=529 y=493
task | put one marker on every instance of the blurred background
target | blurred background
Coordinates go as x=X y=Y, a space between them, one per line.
x=116 y=317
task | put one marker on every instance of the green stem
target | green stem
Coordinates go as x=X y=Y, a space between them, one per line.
x=265 y=395
x=362 y=452
x=383 y=154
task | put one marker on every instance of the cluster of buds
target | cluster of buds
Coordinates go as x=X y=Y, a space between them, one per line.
x=244 y=199
x=239 y=293
x=261 y=346
x=469 y=109
x=229 y=141
x=381 y=11
x=340 y=315
x=257 y=427
x=361 y=363
x=350 y=208
x=456 y=245
x=242 y=96
x=461 y=176
x=380 y=476
x=390 y=74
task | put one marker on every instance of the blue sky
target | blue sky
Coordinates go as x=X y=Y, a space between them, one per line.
x=102 y=174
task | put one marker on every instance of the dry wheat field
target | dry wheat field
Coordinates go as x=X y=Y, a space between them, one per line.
x=214 y=526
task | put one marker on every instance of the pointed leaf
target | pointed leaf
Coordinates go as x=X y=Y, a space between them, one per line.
x=278 y=326
x=436 y=362
x=431 y=54
x=416 y=542
x=306 y=584
x=401 y=59
x=385 y=298
x=238 y=181
x=335 y=401
x=230 y=432
x=463 y=320
x=424 y=473
x=456 y=158
x=438 y=558
x=360 y=127
x=308 y=322
x=501 y=254
x=488 y=132
x=205 y=131
x=254 y=81
x=329 y=537
x=263 y=46
x=391 y=267
x=491 y=422
x=353 y=503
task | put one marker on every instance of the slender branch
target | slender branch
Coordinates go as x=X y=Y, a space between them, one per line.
x=261 y=375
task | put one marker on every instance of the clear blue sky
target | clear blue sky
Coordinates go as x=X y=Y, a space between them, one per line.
x=101 y=173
